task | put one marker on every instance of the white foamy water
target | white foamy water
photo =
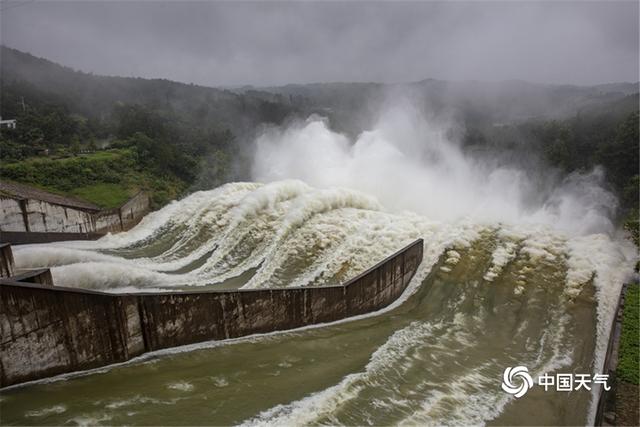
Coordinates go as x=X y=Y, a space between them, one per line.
x=411 y=164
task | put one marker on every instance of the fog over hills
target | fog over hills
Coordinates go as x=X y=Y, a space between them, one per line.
x=355 y=103
x=277 y=43
x=476 y=101
x=569 y=126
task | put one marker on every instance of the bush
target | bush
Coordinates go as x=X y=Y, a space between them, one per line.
x=630 y=337
x=106 y=178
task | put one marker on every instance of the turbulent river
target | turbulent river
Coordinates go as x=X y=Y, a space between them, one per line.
x=486 y=296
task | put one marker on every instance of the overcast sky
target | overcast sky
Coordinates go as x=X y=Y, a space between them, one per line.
x=219 y=43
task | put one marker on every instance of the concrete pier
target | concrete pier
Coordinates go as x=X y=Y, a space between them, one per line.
x=48 y=330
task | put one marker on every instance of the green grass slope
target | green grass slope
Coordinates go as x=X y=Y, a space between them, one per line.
x=107 y=178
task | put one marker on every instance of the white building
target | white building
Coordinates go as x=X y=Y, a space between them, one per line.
x=9 y=124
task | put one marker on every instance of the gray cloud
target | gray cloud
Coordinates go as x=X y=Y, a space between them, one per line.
x=224 y=43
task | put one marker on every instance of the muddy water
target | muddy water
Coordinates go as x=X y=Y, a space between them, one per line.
x=485 y=298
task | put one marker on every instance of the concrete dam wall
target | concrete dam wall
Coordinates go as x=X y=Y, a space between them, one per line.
x=48 y=330
x=6 y=260
x=24 y=209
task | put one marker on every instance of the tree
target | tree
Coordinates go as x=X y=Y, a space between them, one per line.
x=75 y=145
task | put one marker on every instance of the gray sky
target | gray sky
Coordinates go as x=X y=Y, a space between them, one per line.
x=224 y=43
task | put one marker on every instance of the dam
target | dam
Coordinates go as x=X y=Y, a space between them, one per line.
x=425 y=345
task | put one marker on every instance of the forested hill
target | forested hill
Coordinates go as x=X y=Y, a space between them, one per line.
x=470 y=102
x=95 y=96
x=173 y=137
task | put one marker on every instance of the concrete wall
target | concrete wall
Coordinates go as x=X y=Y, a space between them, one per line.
x=132 y=212
x=46 y=217
x=51 y=330
x=6 y=260
x=41 y=216
x=7 y=271
x=107 y=221
x=33 y=215
x=12 y=214
x=41 y=276
x=23 y=237
x=46 y=332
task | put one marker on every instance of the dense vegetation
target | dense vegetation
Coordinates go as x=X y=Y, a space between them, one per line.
x=105 y=178
x=164 y=137
x=628 y=367
x=59 y=150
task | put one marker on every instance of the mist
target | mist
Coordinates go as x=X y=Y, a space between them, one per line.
x=277 y=43
x=411 y=162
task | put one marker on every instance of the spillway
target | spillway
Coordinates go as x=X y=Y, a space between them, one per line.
x=485 y=297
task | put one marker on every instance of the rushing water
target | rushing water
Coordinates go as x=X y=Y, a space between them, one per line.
x=486 y=296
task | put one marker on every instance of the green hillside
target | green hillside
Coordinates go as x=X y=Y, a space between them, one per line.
x=163 y=136
x=105 y=178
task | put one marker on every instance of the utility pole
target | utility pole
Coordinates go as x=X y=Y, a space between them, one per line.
x=24 y=108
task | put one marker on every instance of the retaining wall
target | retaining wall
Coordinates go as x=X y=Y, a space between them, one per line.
x=132 y=212
x=28 y=215
x=41 y=276
x=48 y=330
x=41 y=216
x=30 y=237
x=6 y=260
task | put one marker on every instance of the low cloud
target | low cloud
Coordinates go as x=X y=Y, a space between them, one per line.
x=270 y=43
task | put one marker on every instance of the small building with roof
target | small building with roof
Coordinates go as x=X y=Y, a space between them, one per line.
x=9 y=124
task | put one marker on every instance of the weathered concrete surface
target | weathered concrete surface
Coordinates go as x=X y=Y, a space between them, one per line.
x=41 y=216
x=47 y=330
x=132 y=212
x=12 y=213
x=41 y=276
x=22 y=191
x=6 y=260
x=24 y=237
x=44 y=332
x=7 y=270
x=107 y=221
x=25 y=209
